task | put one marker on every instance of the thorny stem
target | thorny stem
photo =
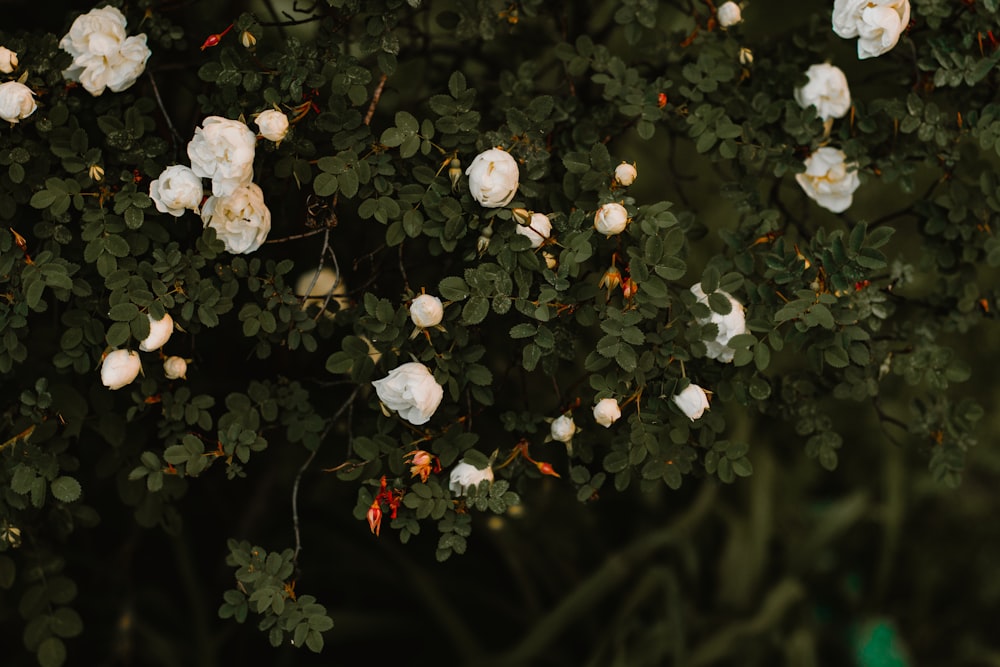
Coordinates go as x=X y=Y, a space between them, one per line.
x=305 y=466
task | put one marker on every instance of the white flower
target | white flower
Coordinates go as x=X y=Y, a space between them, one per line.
x=607 y=412
x=829 y=180
x=325 y=283
x=273 y=125
x=410 y=390
x=8 y=60
x=876 y=23
x=625 y=174
x=465 y=476
x=159 y=333
x=826 y=90
x=538 y=229
x=611 y=219
x=119 y=368
x=693 y=401
x=729 y=325
x=493 y=178
x=563 y=428
x=729 y=14
x=223 y=150
x=240 y=219
x=175 y=368
x=103 y=57
x=16 y=101
x=176 y=190
x=426 y=311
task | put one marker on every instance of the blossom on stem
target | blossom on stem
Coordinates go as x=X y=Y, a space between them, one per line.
x=493 y=178
x=410 y=390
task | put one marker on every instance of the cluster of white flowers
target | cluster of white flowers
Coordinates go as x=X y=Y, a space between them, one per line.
x=103 y=56
x=121 y=367
x=876 y=23
x=729 y=325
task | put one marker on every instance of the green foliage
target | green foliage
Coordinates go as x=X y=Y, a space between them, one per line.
x=389 y=102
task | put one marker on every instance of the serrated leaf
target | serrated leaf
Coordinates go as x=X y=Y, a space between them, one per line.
x=66 y=489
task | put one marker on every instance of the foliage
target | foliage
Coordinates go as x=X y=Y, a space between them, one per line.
x=389 y=101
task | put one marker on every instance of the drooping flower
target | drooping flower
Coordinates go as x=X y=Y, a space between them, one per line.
x=426 y=311
x=829 y=180
x=538 y=229
x=223 y=150
x=17 y=102
x=607 y=412
x=611 y=219
x=8 y=60
x=493 y=178
x=103 y=56
x=159 y=333
x=177 y=189
x=826 y=90
x=119 y=368
x=876 y=23
x=729 y=325
x=241 y=219
x=625 y=174
x=692 y=400
x=422 y=464
x=465 y=476
x=273 y=125
x=410 y=390
x=729 y=14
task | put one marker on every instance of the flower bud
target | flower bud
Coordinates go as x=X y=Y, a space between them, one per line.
x=522 y=216
x=482 y=244
x=96 y=172
x=625 y=174
x=611 y=279
x=8 y=60
x=455 y=173
x=611 y=219
x=374 y=517
x=607 y=412
x=729 y=14
x=693 y=401
x=563 y=428
x=426 y=311
x=273 y=125
x=119 y=368
x=746 y=56
x=247 y=39
x=551 y=262
x=159 y=333
x=175 y=368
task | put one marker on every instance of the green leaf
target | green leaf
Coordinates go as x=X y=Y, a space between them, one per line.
x=453 y=288
x=475 y=310
x=51 y=652
x=66 y=489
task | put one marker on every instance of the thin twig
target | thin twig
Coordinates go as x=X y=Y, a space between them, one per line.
x=376 y=96
x=296 y=237
x=159 y=100
x=305 y=466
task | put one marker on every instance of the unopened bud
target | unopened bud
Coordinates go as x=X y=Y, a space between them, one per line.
x=455 y=173
x=611 y=279
x=482 y=244
x=96 y=172
x=247 y=39
x=550 y=260
x=522 y=216
x=746 y=56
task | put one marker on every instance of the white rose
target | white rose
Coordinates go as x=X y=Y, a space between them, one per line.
x=826 y=90
x=729 y=325
x=876 y=23
x=223 y=150
x=607 y=412
x=159 y=333
x=426 y=311
x=493 y=178
x=563 y=428
x=103 y=57
x=538 y=229
x=465 y=476
x=120 y=367
x=729 y=14
x=16 y=101
x=829 y=180
x=625 y=174
x=175 y=368
x=8 y=60
x=611 y=219
x=176 y=190
x=240 y=219
x=410 y=390
x=323 y=284
x=693 y=401
x=273 y=125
